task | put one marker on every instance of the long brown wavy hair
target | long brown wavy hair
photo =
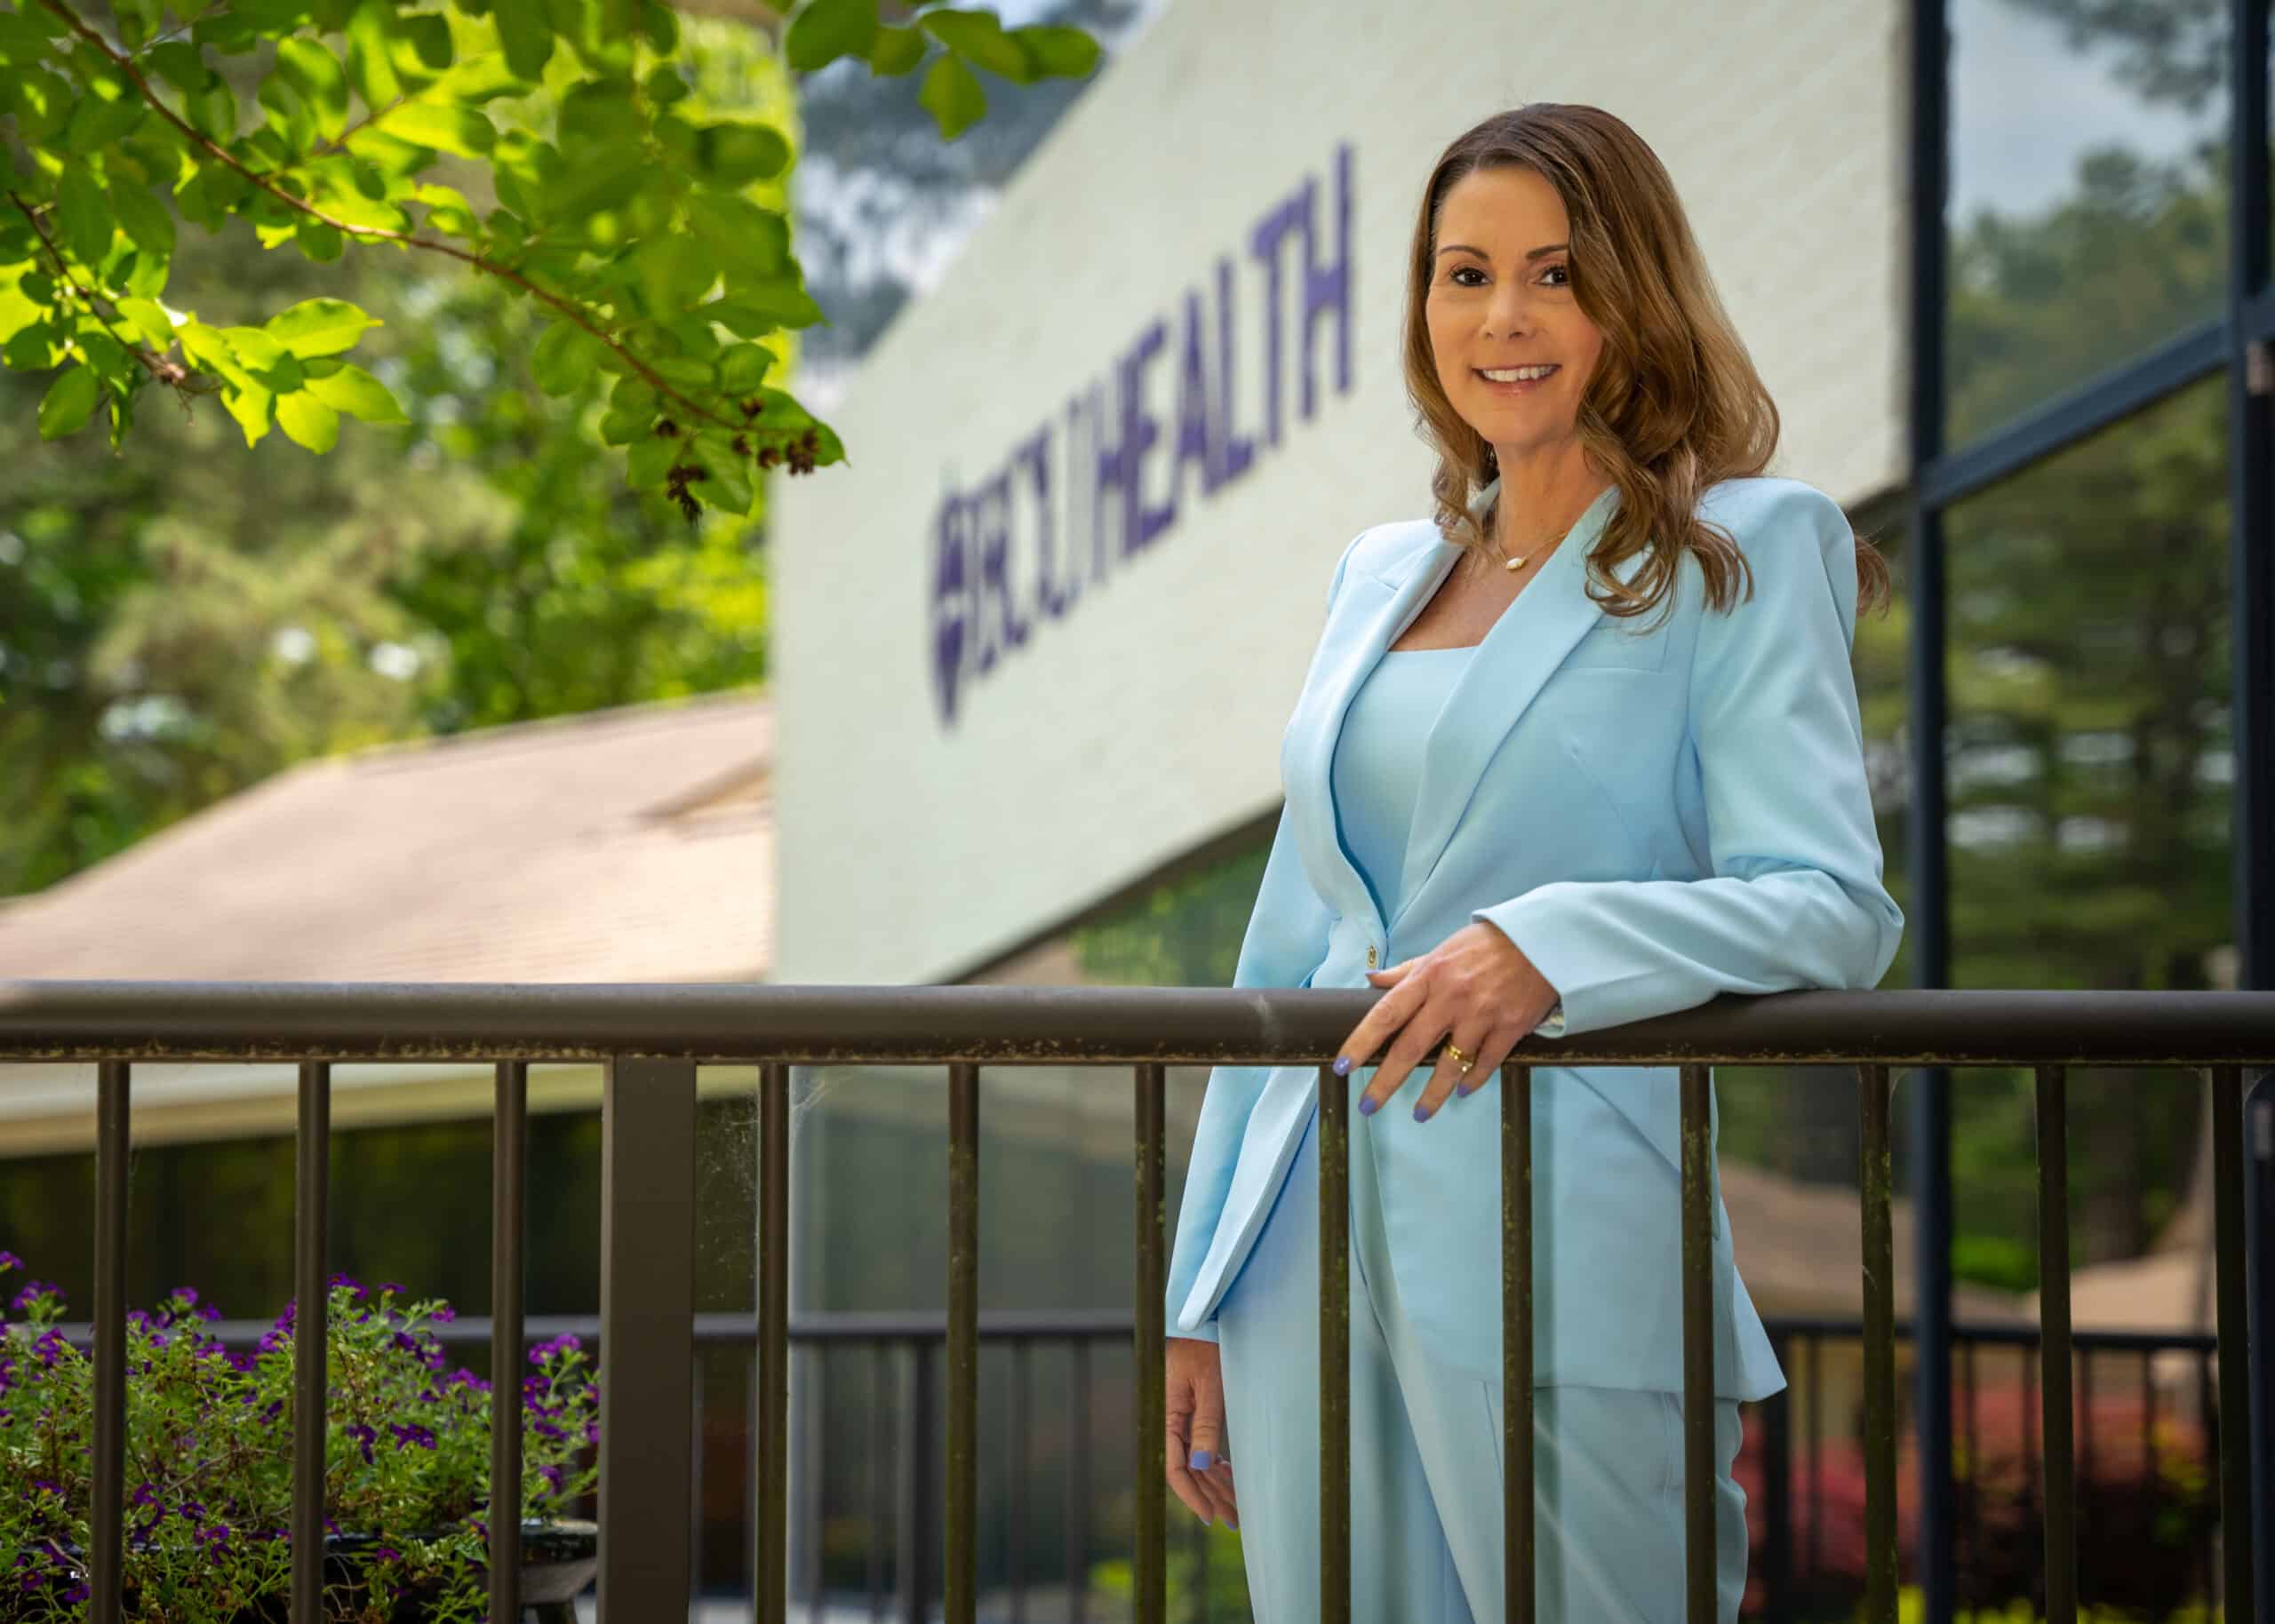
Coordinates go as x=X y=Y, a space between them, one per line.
x=1674 y=404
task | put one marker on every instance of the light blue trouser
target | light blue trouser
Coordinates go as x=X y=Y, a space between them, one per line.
x=1425 y=1453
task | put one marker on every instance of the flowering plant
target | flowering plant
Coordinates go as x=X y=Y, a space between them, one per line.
x=209 y=1472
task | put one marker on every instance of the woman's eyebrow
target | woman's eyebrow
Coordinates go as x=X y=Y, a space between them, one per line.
x=1530 y=253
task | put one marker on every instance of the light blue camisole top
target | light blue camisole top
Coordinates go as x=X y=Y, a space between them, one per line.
x=1378 y=767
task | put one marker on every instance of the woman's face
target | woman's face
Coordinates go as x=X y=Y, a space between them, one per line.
x=1501 y=300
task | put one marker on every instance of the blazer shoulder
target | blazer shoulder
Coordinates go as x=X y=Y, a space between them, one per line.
x=1793 y=535
x=1384 y=549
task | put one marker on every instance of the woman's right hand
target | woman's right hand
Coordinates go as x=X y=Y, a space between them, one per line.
x=1196 y=1421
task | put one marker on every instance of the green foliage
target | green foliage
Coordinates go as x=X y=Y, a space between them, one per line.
x=406 y=1460
x=613 y=202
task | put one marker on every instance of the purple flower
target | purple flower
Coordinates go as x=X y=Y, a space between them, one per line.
x=365 y=1436
x=407 y=1435
x=209 y=1311
x=9 y=1260
x=551 y=1476
x=387 y=1553
x=444 y=1313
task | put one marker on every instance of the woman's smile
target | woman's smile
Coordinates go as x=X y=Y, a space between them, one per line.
x=1513 y=380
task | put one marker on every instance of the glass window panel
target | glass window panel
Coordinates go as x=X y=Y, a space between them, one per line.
x=2087 y=212
x=2089 y=756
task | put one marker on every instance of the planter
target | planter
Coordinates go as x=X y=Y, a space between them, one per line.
x=558 y=1560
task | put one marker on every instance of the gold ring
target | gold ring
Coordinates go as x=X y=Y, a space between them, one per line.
x=1455 y=1053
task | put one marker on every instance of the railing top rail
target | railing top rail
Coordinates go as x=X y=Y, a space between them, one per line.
x=999 y=1025
x=1115 y=1326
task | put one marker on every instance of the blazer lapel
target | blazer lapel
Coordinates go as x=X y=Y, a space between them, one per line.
x=1369 y=615
x=1519 y=654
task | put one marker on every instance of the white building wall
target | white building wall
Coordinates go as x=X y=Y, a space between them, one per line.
x=1146 y=717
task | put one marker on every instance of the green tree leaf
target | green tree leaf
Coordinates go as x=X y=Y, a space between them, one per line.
x=346 y=388
x=978 y=38
x=526 y=33
x=566 y=358
x=108 y=108
x=744 y=368
x=827 y=30
x=727 y=482
x=951 y=95
x=149 y=222
x=461 y=131
x=735 y=155
x=371 y=65
x=149 y=321
x=1063 y=53
x=69 y=403
x=307 y=421
x=317 y=74
x=319 y=326
x=897 y=50
x=87 y=220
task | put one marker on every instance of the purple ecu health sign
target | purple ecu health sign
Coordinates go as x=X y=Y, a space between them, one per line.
x=1102 y=512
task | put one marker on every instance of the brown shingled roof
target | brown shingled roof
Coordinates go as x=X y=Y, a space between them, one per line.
x=629 y=845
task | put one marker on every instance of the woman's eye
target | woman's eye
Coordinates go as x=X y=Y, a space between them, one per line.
x=1460 y=271
x=1565 y=271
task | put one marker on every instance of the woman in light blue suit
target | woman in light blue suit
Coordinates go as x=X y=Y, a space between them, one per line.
x=1580 y=749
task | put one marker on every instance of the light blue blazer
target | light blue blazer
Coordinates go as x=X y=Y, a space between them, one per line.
x=1654 y=819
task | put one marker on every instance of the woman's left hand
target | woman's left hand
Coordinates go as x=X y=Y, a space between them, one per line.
x=1476 y=986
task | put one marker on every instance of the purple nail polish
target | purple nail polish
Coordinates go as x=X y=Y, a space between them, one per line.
x=1342 y=1065
x=1201 y=1459
x=1421 y=1113
x=1367 y=1106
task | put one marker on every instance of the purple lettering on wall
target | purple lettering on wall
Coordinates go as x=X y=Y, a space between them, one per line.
x=1112 y=478
x=1141 y=431
x=981 y=609
x=951 y=606
x=1007 y=627
x=1235 y=450
x=1263 y=244
x=1049 y=592
x=1193 y=440
x=1327 y=290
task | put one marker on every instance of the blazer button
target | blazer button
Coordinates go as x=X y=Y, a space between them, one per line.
x=1371 y=958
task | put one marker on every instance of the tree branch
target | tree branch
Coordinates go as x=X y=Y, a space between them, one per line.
x=380 y=234
x=166 y=371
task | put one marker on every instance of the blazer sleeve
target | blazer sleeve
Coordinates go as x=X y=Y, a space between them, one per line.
x=1794 y=899
x=1285 y=941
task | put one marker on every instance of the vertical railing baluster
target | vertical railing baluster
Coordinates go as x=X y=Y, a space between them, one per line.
x=1777 y=1490
x=2235 y=1355
x=508 y=1228
x=772 y=1561
x=2055 y=1352
x=963 y=1484
x=1150 y=1410
x=695 y=1397
x=1017 y=1450
x=1971 y=1420
x=648 y=1128
x=1698 y=1475
x=748 y=1545
x=1813 y=1446
x=1334 y=1349
x=109 y=1512
x=815 y=1417
x=311 y=1197
x=1517 y=1486
x=1874 y=1182
x=879 y=1506
x=1078 y=1484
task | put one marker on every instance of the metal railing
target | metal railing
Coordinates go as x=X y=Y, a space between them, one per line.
x=653 y=1038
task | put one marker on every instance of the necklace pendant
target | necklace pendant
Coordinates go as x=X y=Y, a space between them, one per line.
x=1516 y=563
